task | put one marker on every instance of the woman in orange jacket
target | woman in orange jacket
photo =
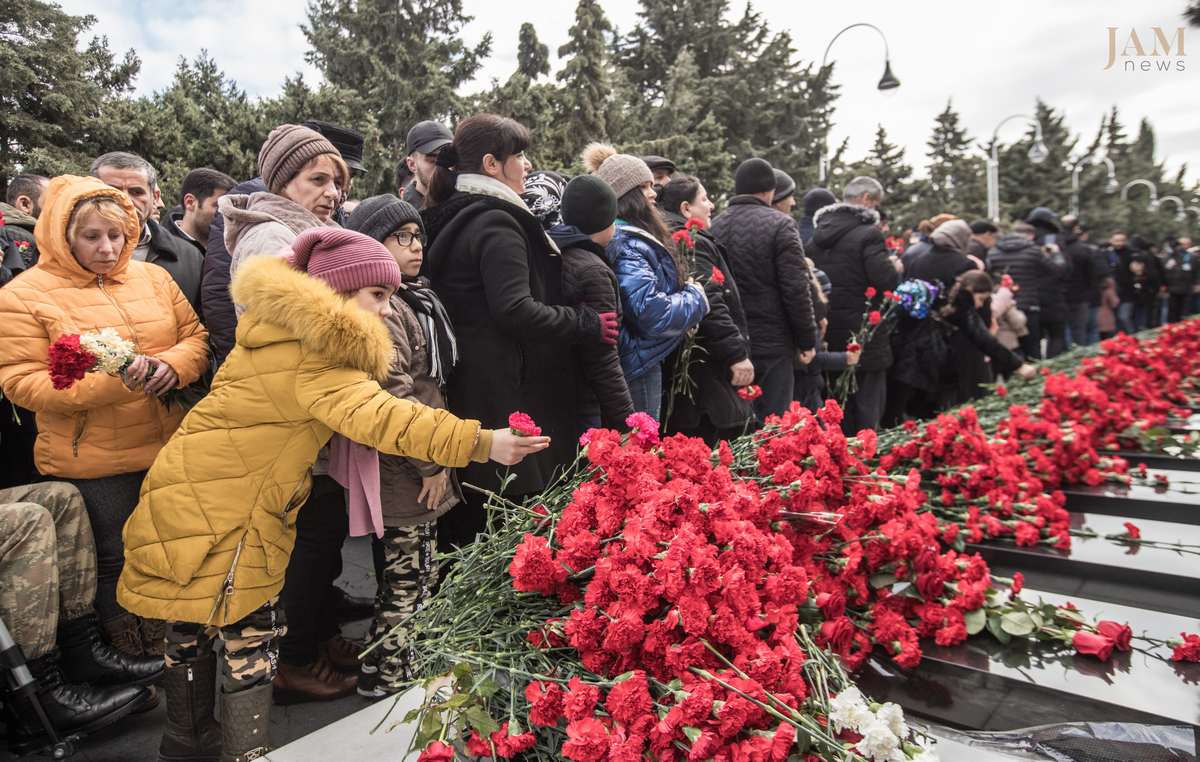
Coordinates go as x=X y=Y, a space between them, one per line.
x=103 y=433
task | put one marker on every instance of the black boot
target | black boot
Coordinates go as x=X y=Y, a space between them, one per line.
x=191 y=734
x=246 y=724
x=87 y=657
x=73 y=710
x=349 y=608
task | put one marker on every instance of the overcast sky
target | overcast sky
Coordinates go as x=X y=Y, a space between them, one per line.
x=993 y=59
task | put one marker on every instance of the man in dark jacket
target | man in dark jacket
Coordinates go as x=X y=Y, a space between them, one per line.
x=1182 y=266
x=849 y=246
x=1018 y=256
x=198 y=196
x=138 y=180
x=767 y=259
x=813 y=200
x=220 y=316
x=424 y=142
x=18 y=249
x=1081 y=282
x=1135 y=270
x=983 y=238
x=1051 y=287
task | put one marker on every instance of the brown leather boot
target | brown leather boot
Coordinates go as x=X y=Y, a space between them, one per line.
x=154 y=636
x=318 y=681
x=342 y=654
x=124 y=634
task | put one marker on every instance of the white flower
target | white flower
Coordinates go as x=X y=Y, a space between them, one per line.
x=112 y=352
x=849 y=710
x=893 y=716
x=879 y=743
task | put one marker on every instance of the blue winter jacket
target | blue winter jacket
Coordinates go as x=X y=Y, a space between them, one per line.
x=657 y=311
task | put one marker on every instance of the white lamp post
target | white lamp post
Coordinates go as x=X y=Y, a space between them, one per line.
x=1037 y=154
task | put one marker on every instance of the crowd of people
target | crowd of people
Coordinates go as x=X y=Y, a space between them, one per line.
x=362 y=362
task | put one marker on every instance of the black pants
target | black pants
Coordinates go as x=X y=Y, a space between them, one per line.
x=308 y=594
x=1056 y=337
x=864 y=408
x=1031 y=343
x=109 y=500
x=1176 y=307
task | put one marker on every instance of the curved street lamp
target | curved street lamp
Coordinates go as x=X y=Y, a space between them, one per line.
x=1037 y=154
x=1195 y=209
x=1109 y=187
x=1180 y=215
x=887 y=83
x=1153 y=205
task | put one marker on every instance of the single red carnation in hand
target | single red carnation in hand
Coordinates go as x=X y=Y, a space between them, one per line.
x=870 y=291
x=1121 y=634
x=718 y=277
x=1188 y=650
x=682 y=237
x=694 y=223
x=523 y=426
x=1134 y=532
x=874 y=317
x=437 y=752
x=1100 y=646
x=750 y=392
x=854 y=346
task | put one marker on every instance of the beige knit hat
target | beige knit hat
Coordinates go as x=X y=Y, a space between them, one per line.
x=287 y=149
x=620 y=170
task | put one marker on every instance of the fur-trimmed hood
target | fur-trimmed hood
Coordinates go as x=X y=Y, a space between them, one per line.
x=284 y=304
x=834 y=221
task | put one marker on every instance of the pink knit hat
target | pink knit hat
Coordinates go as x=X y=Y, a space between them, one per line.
x=346 y=260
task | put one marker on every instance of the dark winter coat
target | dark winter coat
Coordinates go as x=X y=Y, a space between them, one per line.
x=1083 y=278
x=183 y=261
x=722 y=337
x=500 y=279
x=18 y=249
x=600 y=387
x=912 y=252
x=172 y=227
x=850 y=249
x=1130 y=288
x=806 y=229
x=939 y=263
x=219 y=315
x=1051 y=286
x=657 y=310
x=977 y=250
x=768 y=262
x=1181 y=268
x=1022 y=259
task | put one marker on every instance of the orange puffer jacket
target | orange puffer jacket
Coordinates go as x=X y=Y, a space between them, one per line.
x=98 y=427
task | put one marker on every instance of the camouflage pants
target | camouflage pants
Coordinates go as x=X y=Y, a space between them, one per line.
x=249 y=646
x=410 y=577
x=47 y=562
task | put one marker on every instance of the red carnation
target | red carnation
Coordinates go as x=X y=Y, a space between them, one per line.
x=533 y=567
x=437 y=752
x=1018 y=583
x=645 y=429
x=854 y=346
x=874 y=317
x=587 y=740
x=1100 y=646
x=1188 y=650
x=718 y=277
x=682 y=237
x=1134 y=532
x=68 y=361
x=1121 y=634
x=546 y=708
x=694 y=223
x=523 y=426
x=750 y=392
x=629 y=700
x=870 y=291
x=1001 y=391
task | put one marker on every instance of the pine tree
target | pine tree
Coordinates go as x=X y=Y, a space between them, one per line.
x=885 y=162
x=957 y=183
x=584 y=78
x=1025 y=185
x=533 y=57
x=56 y=100
x=403 y=61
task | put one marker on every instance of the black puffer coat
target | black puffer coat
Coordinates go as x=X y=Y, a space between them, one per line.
x=1083 y=278
x=600 y=387
x=722 y=335
x=181 y=259
x=220 y=318
x=849 y=247
x=500 y=278
x=1023 y=259
x=767 y=258
x=939 y=263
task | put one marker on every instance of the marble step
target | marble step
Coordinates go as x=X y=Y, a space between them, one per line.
x=1178 y=501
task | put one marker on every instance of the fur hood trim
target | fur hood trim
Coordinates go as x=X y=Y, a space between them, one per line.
x=314 y=314
x=244 y=212
x=869 y=216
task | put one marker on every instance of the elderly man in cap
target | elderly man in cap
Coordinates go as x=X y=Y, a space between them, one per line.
x=424 y=142
x=662 y=168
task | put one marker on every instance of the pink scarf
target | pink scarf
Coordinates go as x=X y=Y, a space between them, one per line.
x=356 y=467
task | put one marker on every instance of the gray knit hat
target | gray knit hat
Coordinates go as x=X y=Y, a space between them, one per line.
x=620 y=170
x=784 y=186
x=287 y=149
x=379 y=216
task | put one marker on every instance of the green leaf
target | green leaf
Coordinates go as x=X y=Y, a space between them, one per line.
x=459 y=699
x=482 y=721
x=803 y=740
x=486 y=688
x=412 y=715
x=461 y=671
x=431 y=724
x=994 y=627
x=1017 y=623
x=693 y=734
x=975 y=620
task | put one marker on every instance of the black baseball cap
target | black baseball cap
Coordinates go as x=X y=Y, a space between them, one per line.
x=659 y=162
x=427 y=137
x=348 y=142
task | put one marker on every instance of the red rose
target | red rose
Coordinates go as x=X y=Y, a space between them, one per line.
x=1188 y=650
x=1121 y=634
x=718 y=277
x=1134 y=532
x=874 y=317
x=870 y=291
x=437 y=752
x=1100 y=646
x=838 y=634
x=587 y=740
x=523 y=426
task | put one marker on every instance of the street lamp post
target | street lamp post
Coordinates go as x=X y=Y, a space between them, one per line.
x=1180 y=215
x=887 y=83
x=1109 y=187
x=1153 y=205
x=1037 y=154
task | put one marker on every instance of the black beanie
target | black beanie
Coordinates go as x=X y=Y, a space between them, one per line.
x=784 y=186
x=380 y=216
x=754 y=176
x=589 y=203
x=817 y=198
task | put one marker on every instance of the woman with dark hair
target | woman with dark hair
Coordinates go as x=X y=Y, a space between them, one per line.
x=713 y=410
x=500 y=278
x=659 y=298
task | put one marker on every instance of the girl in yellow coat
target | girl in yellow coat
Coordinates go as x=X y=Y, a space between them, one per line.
x=207 y=546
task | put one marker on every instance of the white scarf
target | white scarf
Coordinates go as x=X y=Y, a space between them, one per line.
x=490 y=186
